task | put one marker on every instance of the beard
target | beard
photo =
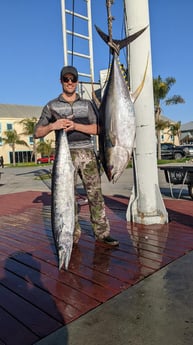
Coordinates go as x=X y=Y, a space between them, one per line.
x=69 y=92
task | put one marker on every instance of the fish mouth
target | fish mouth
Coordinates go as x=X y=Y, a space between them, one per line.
x=115 y=177
x=112 y=174
x=109 y=173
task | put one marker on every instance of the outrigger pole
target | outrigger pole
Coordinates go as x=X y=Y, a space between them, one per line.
x=146 y=205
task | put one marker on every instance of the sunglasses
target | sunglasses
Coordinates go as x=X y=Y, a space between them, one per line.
x=67 y=79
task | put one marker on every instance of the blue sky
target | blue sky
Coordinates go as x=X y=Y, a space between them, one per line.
x=31 y=49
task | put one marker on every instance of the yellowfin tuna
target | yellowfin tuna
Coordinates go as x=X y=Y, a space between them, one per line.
x=116 y=115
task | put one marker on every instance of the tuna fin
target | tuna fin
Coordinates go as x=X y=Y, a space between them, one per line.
x=95 y=99
x=136 y=93
x=117 y=45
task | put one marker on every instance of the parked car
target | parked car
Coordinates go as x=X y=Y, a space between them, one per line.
x=188 y=149
x=46 y=159
x=170 y=151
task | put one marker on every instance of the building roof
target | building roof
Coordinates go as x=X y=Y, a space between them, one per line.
x=187 y=126
x=186 y=135
x=164 y=118
x=19 y=111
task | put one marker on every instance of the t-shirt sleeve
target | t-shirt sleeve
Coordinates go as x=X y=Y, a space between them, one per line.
x=92 y=115
x=45 y=118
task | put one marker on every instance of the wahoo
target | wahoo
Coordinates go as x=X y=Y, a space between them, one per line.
x=116 y=114
x=62 y=209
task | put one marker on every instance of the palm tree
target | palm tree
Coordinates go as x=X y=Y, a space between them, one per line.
x=12 y=139
x=45 y=147
x=29 y=127
x=161 y=88
x=160 y=125
x=175 y=129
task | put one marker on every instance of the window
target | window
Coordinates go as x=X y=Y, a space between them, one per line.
x=1 y=143
x=31 y=140
x=9 y=126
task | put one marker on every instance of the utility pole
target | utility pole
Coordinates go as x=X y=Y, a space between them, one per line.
x=146 y=205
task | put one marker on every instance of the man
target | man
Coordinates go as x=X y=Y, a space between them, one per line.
x=77 y=117
x=2 y=162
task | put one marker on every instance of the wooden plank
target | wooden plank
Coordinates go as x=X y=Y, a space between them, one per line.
x=38 y=323
x=32 y=286
x=55 y=288
x=37 y=296
x=14 y=332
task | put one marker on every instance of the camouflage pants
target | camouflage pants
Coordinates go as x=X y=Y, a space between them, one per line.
x=86 y=167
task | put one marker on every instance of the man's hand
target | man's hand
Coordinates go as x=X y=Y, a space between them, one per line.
x=69 y=126
x=65 y=124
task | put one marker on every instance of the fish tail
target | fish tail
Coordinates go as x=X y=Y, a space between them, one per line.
x=64 y=258
x=117 y=45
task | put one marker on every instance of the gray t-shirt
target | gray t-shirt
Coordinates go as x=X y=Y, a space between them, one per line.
x=81 y=111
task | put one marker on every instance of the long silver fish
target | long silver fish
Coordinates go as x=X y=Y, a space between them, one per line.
x=62 y=209
x=116 y=114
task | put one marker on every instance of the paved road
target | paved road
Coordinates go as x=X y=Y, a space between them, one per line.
x=14 y=180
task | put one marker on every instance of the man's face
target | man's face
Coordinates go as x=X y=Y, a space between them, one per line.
x=69 y=83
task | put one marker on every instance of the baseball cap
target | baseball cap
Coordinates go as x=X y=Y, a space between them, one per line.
x=69 y=69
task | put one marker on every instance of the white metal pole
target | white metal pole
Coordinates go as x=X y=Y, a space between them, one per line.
x=63 y=14
x=89 y=15
x=146 y=205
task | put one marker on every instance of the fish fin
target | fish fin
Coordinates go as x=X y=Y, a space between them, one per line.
x=64 y=258
x=122 y=70
x=95 y=99
x=117 y=45
x=112 y=138
x=136 y=93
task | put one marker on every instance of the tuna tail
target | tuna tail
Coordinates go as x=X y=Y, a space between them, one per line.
x=117 y=45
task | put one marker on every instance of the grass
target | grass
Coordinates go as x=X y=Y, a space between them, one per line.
x=162 y=161
x=169 y=161
x=43 y=177
x=29 y=164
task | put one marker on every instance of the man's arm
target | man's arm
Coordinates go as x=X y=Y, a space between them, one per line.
x=67 y=125
x=41 y=131
x=88 y=129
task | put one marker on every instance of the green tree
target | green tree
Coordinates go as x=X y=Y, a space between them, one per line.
x=45 y=147
x=161 y=125
x=161 y=88
x=175 y=129
x=29 y=127
x=12 y=139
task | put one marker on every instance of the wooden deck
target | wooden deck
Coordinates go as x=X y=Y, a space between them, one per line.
x=36 y=299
